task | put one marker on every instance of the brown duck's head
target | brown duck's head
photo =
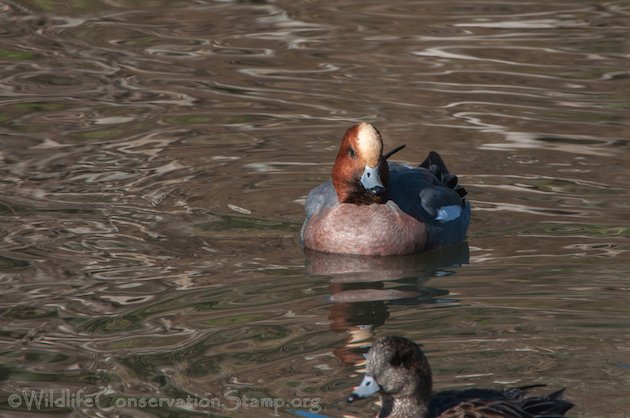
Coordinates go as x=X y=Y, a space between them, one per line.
x=360 y=173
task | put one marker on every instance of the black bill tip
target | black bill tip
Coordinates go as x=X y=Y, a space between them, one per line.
x=377 y=190
x=353 y=397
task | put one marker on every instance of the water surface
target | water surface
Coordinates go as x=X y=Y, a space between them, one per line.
x=155 y=157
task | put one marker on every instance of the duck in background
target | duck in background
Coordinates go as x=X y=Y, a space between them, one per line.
x=373 y=207
x=398 y=370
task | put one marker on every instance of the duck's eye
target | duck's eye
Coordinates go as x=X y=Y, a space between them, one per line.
x=351 y=153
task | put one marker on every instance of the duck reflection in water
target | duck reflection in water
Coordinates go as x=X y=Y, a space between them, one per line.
x=362 y=288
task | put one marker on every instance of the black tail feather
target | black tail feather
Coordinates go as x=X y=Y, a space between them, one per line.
x=550 y=405
x=434 y=159
x=434 y=164
x=394 y=151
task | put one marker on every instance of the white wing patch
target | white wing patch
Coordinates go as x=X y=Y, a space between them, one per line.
x=448 y=213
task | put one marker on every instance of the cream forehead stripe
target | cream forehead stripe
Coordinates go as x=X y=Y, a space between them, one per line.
x=369 y=144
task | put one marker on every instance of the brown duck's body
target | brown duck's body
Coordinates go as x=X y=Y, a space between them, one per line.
x=373 y=207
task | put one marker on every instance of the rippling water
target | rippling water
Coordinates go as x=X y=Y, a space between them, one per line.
x=154 y=161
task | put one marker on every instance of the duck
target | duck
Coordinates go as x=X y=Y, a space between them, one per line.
x=399 y=371
x=381 y=208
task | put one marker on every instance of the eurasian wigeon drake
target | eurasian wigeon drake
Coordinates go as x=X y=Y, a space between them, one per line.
x=373 y=207
x=398 y=370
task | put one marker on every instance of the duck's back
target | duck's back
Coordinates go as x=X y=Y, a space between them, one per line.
x=419 y=193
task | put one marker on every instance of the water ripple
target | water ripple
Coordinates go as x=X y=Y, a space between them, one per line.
x=155 y=161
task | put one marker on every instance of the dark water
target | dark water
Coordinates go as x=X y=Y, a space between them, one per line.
x=154 y=159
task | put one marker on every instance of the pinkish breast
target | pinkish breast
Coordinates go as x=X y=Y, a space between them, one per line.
x=365 y=229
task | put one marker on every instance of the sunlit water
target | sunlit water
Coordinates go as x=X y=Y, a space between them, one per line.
x=155 y=156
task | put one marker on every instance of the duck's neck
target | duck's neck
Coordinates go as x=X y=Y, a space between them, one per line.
x=355 y=193
x=402 y=407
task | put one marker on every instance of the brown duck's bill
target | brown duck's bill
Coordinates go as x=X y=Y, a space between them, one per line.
x=371 y=181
